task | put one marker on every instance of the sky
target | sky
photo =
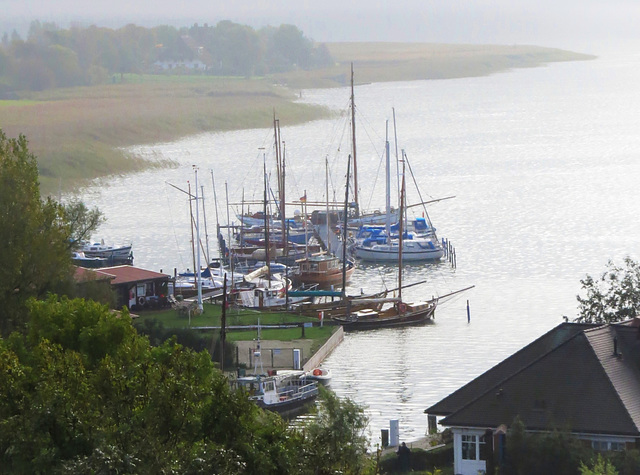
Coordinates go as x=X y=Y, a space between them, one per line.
x=583 y=25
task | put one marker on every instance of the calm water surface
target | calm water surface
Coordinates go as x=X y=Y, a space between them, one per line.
x=544 y=166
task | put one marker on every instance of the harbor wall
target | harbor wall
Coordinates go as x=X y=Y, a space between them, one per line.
x=324 y=350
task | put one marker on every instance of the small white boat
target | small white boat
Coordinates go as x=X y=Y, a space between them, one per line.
x=100 y=249
x=321 y=375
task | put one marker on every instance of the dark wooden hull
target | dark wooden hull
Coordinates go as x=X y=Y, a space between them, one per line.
x=419 y=317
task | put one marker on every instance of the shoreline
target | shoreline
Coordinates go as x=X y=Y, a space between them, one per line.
x=80 y=134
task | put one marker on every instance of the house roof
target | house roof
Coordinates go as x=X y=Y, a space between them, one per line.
x=131 y=274
x=82 y=274
x=569 y=379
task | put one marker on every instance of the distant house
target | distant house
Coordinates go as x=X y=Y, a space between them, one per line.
x=135 y=288
x=184 y=64
x=578 y=377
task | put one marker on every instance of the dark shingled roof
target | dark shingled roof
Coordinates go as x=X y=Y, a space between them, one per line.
x=569 y=379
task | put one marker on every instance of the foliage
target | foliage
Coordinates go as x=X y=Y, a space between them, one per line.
x=429 y=461
x=36 y=234
x=336 y=441
x=82 y=392
x=158 y=334
x=613 y=297
x=34 y=259
x=53 y=57
x=600 y=466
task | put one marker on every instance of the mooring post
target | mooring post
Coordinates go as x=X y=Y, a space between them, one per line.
x=468 y=313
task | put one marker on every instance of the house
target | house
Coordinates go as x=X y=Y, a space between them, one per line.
x=137 y=288
x=579 y=377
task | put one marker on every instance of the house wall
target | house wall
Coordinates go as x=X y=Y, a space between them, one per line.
x=461 y=465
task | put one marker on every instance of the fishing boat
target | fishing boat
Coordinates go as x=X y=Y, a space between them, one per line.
x=288 y=392
x=81 y=260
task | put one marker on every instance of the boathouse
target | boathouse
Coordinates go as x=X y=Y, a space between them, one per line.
x=138 y=288
x=584 y=378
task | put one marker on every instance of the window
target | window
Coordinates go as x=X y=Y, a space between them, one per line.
x=468 y=447
x=473 y=447
x=605 y=446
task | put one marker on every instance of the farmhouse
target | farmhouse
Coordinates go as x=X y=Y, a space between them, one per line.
x=584 y=378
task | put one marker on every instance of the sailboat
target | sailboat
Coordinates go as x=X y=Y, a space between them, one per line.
x=400 y=313
x=379 y=244
x=324 y=268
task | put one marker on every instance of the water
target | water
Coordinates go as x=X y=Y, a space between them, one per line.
x=544 y=166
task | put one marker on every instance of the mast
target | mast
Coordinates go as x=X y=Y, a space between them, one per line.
x=193 y=239
x=326 y=179
x=266 y=219
x=198 y=273
x=353 y=146
x=388 y=198
x=215 y=203
x=206 y=232
x=344 y=234
x=400 y=236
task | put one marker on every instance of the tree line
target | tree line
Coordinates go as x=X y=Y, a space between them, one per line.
x=52 y=57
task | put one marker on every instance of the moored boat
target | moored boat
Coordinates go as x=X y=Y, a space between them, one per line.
x=321 y=269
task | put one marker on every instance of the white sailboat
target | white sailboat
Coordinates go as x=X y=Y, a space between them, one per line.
x=380 y=244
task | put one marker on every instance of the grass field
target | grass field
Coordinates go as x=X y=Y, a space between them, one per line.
x=78 y=133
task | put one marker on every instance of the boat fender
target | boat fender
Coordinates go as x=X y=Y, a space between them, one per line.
x=317 y=372
x=141 y=300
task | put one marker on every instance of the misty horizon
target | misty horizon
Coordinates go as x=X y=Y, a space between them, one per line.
x=587 y=26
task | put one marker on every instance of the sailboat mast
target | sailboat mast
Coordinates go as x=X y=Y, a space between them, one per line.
x=198 y=273
x=388 y=176
x=326 y=184
x=206 y=232
x=266 y=220
x=353 y=146
x=344 y=234
x=401 y=236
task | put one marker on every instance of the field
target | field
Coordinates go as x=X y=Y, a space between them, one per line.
x=79 y=133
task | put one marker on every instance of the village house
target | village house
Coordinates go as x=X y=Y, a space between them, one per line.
x=134 y=287
x=583 y=378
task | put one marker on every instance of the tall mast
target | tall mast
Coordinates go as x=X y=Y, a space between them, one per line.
x=266 y=219
x=353 y=146
x=198 y=274
x=388 y=190
x=206 y=232
x=344 y=235
x=400 y=236
x=326 y=179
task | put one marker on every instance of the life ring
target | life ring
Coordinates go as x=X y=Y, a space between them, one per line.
x=402 y=307
x=317 y=372
x=141 y=301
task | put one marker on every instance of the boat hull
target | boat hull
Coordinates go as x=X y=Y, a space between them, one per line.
x=358 y=323
x=390 y=254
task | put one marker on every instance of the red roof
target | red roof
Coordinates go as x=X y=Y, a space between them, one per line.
x=130 y=274
x=82 y=274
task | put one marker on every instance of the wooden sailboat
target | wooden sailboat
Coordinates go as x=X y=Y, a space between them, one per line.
x=324 y=269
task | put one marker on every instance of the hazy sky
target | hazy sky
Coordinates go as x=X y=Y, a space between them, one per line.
x=588 y=25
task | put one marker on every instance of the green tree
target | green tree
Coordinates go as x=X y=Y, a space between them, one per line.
x=613 y=297
x=35 y=257
x=37 y=234
x=336 y=439
x=600 y=466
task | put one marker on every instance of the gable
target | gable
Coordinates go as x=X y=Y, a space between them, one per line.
x=568 y=388
x=506 y=368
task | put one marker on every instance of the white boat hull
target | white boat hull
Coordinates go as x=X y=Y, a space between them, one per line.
x=411 y=251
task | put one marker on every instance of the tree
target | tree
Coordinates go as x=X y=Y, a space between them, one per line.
x=81 y=220
x=600 y=466
x=36 y=234
x=613 y=297
x=336 y=441
x=81 y=391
